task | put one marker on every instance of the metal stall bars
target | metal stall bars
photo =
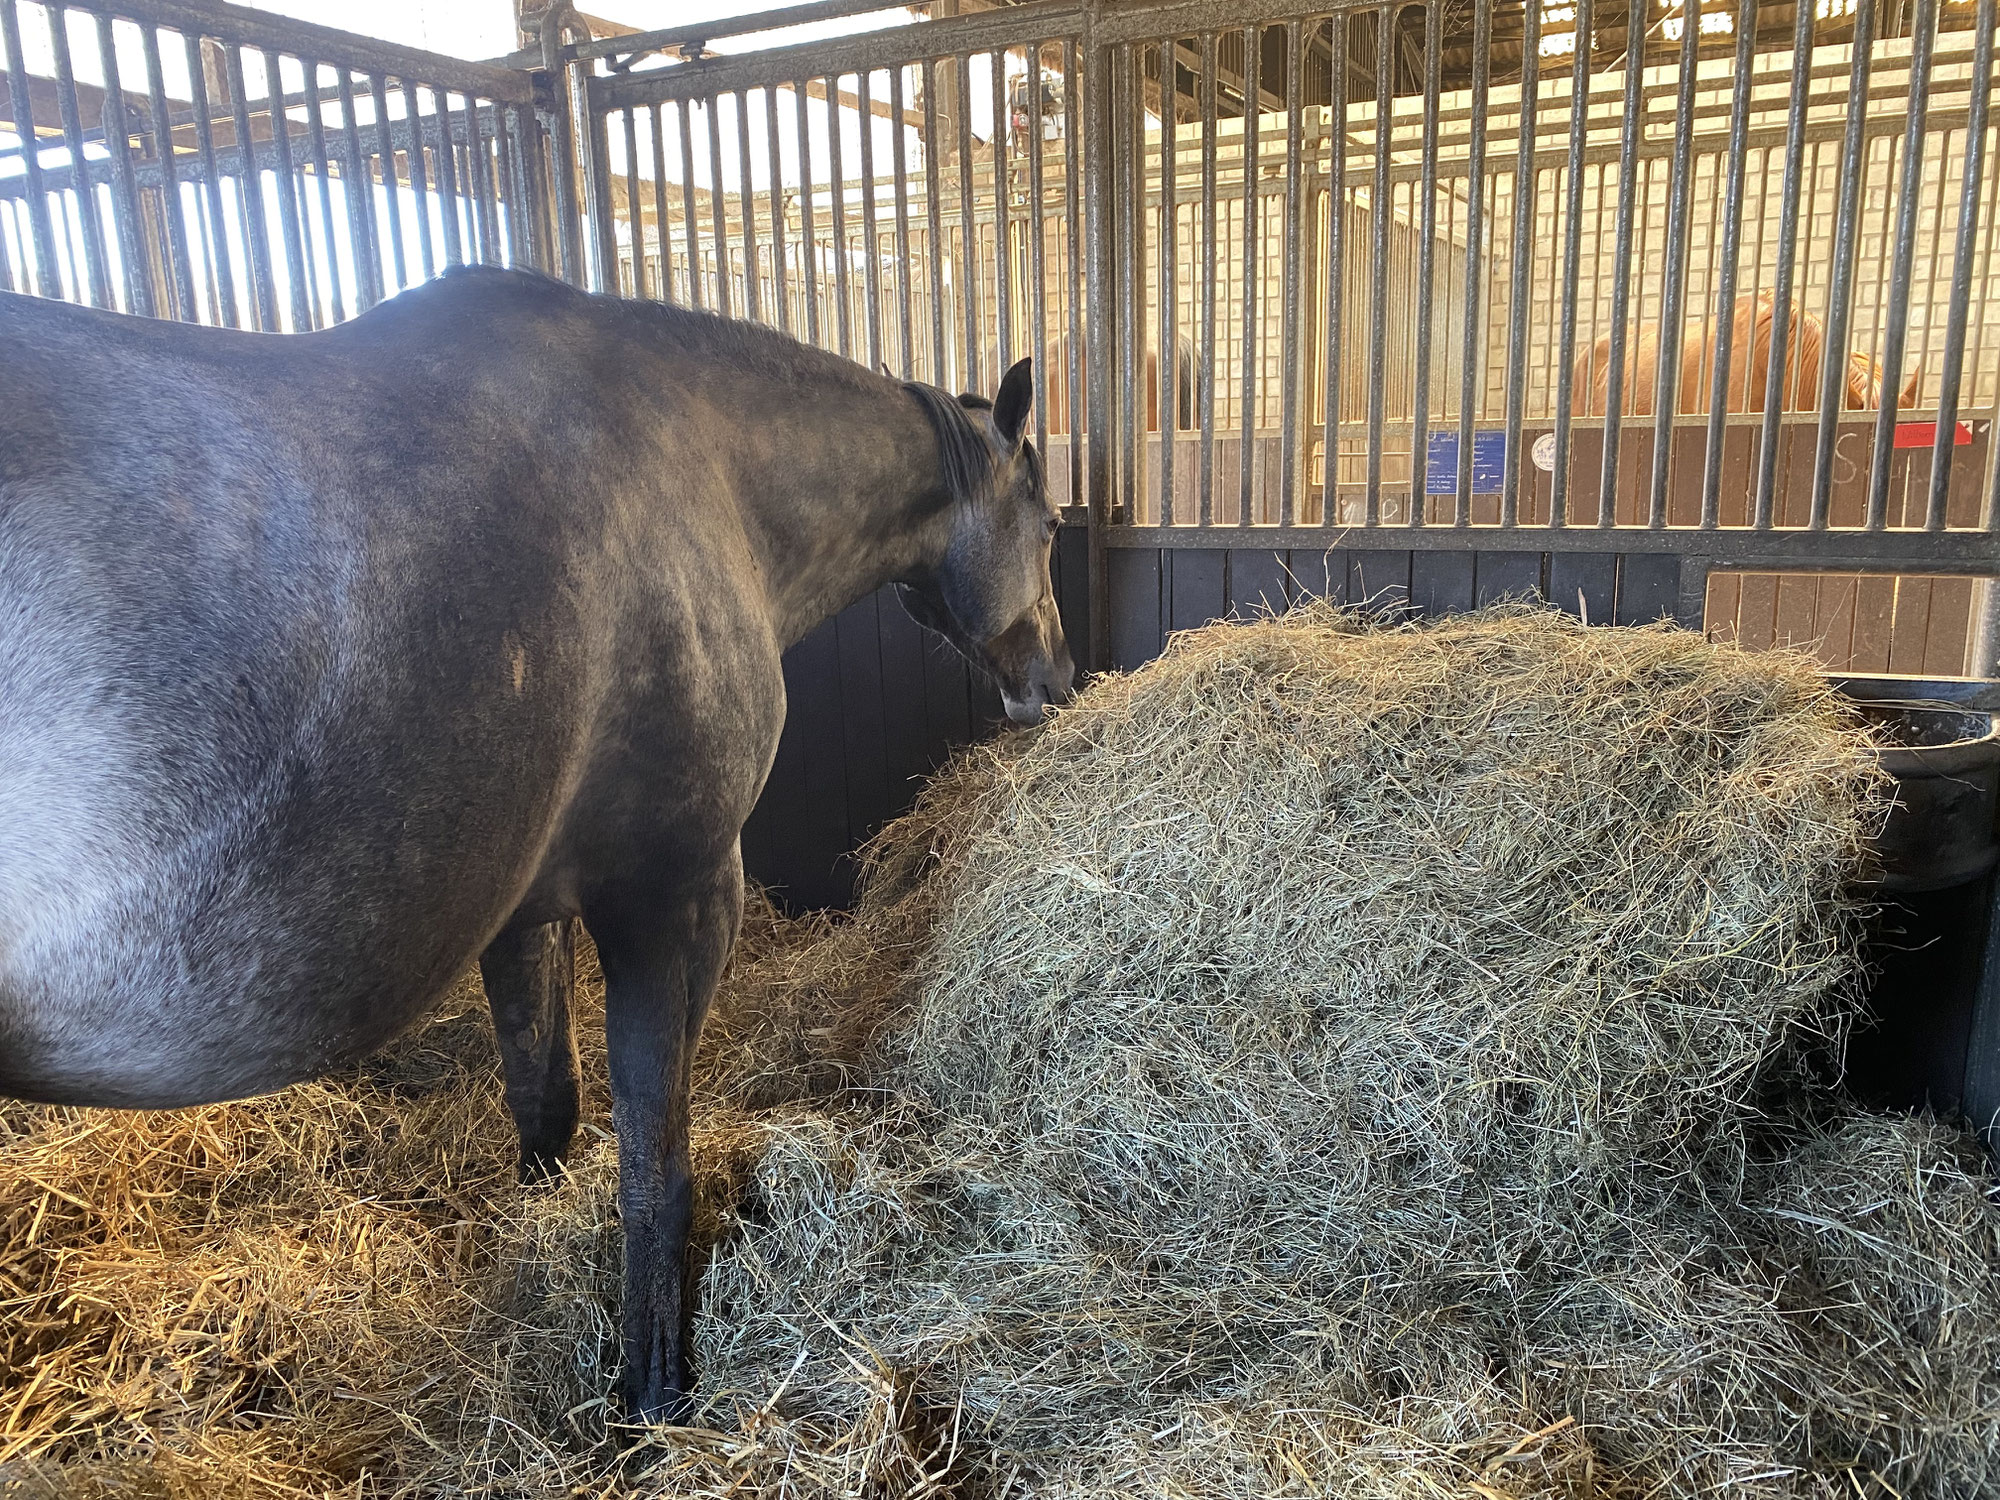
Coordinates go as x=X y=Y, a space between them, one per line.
x=1702 y=269
x=907 y=196
x=224 y=166
x=1402 y=301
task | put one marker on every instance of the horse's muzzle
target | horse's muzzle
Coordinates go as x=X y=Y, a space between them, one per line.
x=1048 y=682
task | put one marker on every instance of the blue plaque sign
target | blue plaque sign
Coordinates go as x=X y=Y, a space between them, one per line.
x=1489 y=459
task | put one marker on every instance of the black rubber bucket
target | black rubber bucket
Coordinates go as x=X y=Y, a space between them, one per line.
x=1944 y=828
x=1934 y=999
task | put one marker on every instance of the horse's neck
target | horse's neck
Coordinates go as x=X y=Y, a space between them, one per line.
x=839 y=500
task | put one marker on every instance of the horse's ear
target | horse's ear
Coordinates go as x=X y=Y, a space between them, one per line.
x=1015 y=400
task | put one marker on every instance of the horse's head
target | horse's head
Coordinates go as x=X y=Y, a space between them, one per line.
x=990 y=594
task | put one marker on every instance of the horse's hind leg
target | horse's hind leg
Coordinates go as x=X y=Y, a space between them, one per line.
x=663 y=946
x=529 y=973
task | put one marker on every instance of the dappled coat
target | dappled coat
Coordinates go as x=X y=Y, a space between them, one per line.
x=1751 y=330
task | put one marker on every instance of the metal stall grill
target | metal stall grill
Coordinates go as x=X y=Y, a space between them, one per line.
x=1661 y=305
x=908 y=197
x=1586 y=298
x=222 y=166
x=1522 y=299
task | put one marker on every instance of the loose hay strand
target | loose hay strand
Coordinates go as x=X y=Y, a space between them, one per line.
x=1331 y=1060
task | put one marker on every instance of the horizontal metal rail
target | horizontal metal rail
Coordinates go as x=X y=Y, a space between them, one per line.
x=260 y=28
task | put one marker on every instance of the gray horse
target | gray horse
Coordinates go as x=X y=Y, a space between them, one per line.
x=330 y=663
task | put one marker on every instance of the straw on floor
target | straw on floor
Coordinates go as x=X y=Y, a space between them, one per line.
x=1331 y=1060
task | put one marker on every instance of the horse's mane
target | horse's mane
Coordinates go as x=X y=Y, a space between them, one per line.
x=964 y=454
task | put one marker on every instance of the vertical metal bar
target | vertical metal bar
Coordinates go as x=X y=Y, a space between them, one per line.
x=968 y=227
x=1470 y=383
x=420 y=176
x=385 y=150
x=1100 y=188
x=871 y=266
x=1846 y=222
x=1003 y=229
x=1420 y=427
x=293 y=231
x=8 y=281
x=635 y=214
x=1378 y=311
x=170 y=190
x=479 y=165
x=1074 y=288
x=1518 y=295
x=656 y=129
x=1732 y=234
x=1168 y=405
x=48 y=279
x=746 y=203
x=718 y=206
x=934 y=210
x=837 y=182
x=1336 y=268
x=445 y=156
x=1666 y=403
x=904 y=320
x=596 y=122
x=1579 y=129
x=251 y=186
x=1961 y=266
x=1781 y=292
x=1207 y=383
x=1037 y=249
x=220 y=269
x=810 y=241
x=1132 y=282
x=1921 y=46
x=690 y=231
x=779 y=250
x=94 y=255
x=1291 y=295
x=534 y=149
x=126 y=214
x=1621 y=266
x=1252 y=274
x=316 y=140
x=508 y=191
x=358 y=189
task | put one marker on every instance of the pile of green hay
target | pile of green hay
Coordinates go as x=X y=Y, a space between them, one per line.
x=1333 y=1060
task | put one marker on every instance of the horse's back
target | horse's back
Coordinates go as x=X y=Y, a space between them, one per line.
x=282 y=696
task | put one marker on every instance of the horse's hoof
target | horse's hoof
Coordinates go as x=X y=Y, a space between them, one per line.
x=659 y=1407
x=657 y=1401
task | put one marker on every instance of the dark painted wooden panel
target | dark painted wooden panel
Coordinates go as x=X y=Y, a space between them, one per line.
x=1379 y=582
x=905 y=703
x=1135 y=606
x=1070 y=572
x=1258 y=582
x=1649 y=586
x=947 y=699
x=1317 y=574
x=1196 y=589
x=1584 y=584
x=809 y=836
x=859 y=632
x=1441 y=583
x=1508 y=575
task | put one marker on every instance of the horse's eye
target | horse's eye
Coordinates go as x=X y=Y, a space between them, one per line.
x=1051 y=526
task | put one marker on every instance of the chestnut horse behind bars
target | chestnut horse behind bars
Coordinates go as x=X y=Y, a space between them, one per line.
x=1750 y=329
x=330 y=663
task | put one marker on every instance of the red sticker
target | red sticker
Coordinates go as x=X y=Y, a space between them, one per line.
x=1924 y=435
